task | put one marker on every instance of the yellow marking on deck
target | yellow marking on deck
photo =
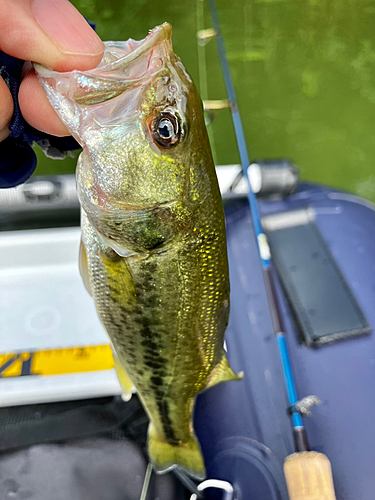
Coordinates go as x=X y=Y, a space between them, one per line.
x=56 y=361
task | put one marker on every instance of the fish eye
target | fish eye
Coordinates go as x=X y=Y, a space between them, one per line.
x=166 y=129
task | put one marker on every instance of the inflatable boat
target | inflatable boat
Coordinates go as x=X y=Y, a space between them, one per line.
x=64 y=430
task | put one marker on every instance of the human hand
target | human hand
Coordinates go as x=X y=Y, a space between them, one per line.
x=52 y=33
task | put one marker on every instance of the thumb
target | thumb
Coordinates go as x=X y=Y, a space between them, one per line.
x=50 y=32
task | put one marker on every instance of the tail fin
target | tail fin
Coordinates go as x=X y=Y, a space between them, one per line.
x=165 y=456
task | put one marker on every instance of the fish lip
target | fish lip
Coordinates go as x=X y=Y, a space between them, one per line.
x=157 y=35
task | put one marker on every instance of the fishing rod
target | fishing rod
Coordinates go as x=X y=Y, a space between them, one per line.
x=308 y=474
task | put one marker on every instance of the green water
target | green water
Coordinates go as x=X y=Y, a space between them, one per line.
x=304 y=73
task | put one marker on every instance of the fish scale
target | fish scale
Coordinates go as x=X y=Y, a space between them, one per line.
x=154 y=252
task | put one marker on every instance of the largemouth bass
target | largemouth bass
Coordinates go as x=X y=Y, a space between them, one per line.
x=154 y=252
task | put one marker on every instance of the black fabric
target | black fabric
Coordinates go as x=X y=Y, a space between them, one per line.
x=46 y=452
x=87 y=469
x=17 y=158
x=32 y=424
x=17 y=162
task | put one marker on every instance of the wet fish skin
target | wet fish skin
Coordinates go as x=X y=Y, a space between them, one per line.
x=154 y=236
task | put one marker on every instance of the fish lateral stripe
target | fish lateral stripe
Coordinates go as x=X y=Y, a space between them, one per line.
x=152 y=342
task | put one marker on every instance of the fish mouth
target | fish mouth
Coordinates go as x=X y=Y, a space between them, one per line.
x=124 y=65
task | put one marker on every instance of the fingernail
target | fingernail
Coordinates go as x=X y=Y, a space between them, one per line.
x=66 y=26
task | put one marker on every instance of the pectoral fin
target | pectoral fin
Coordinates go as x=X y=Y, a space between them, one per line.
x=83 y=267
x=125 y=383
x=222 y=373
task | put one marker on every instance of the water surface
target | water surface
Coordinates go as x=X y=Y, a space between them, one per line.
x=304 y=73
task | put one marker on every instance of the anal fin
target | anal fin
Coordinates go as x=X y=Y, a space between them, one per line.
x=125 y=383
x=223 y=373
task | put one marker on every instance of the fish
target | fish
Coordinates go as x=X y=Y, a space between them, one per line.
x=153 y=253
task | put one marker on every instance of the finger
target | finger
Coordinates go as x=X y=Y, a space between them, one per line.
x=6 y=109
x=50 y=32
x=36 y=108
